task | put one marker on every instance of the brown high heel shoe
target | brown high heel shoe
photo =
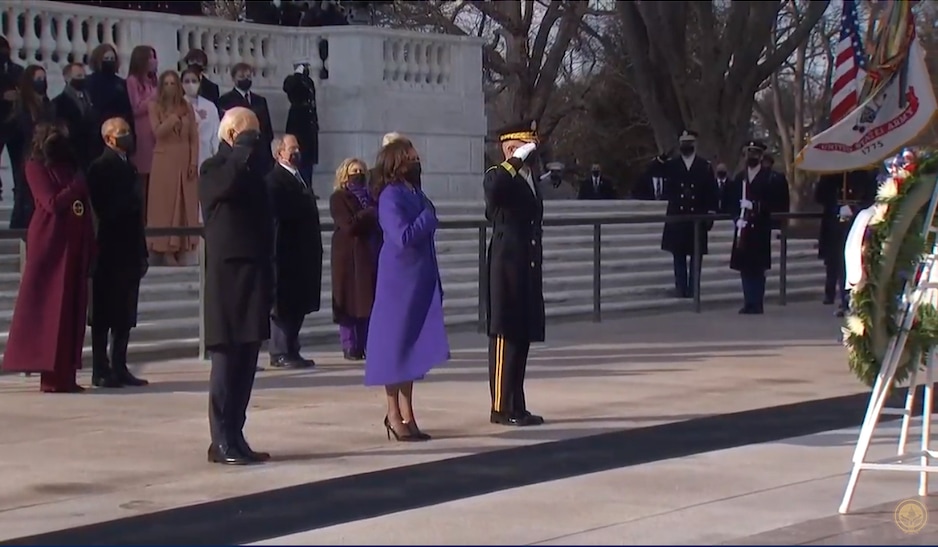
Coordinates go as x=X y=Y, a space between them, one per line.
x=415 y=431
x=401 y=438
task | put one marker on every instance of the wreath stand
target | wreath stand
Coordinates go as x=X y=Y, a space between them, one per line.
x=925 y=289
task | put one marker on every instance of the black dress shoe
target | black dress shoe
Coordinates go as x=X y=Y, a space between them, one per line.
x=501 y=418
x=128 y=379
x=245 y=449
x=227 y=455
x=105 y=381
x=352 y=355
x=534 y=419
x=287 y=361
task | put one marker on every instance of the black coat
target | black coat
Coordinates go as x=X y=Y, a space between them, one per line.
x=297 y=244
x=83 y=130
x=302 y=119
x=856 y=189
x=644 y=188
x=108 y=94
x=721 y=192
x=122 y=248
x=515 y=258
x=238 y=249
x=209 y=90
x=588 y=191
x=752 y=245
x=10 y=74
x=263 y=160
x=688 y=192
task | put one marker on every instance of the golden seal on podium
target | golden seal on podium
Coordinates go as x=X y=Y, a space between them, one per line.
x=78 y=208
x=911 y=516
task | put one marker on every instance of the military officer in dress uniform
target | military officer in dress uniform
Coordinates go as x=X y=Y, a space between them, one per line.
x=690 y=189
x=842 y=196
x=751 y=197
x=515 y=317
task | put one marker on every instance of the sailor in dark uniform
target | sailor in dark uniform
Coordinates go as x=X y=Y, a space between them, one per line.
x=842 y=196
x=515 y=318
x=751 y=198
x=690 y=189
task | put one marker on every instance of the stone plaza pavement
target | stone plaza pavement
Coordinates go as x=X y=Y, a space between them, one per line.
x=681 y=427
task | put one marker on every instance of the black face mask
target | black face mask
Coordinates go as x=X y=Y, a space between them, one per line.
x=109 y=67
x=244 y=84
x=412 y=175
x=295 y=158
x=78 y=84
x=358 y=179
x=721 y=174
x=753 y=161
x=125 y=142
x=687 y=149
x=596 y=173
x=40 y=86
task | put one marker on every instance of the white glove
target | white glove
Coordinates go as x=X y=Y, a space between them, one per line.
x=845 y=211
x=741 y=224
x=524 y=151
x=545 y=176
x=745 y=204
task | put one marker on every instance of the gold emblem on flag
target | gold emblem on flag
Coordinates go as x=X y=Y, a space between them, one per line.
x=78 y=208
x=911 y=516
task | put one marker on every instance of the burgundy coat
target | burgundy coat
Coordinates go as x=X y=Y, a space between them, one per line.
x=354 y=258
x=48 y=327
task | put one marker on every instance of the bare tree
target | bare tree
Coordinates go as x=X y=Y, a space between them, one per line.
x=526 y=51
x=232 y=10
x=699 y=65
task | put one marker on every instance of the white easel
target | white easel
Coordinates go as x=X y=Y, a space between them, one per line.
x=925 y=290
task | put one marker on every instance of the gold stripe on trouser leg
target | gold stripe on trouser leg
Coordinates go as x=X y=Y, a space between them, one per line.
x=499 y=367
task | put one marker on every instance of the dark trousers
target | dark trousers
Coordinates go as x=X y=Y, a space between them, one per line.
x=753 y=290
x=353 y=332
x=685 y=277
x=108 y=351
x=508 y=361
x=229 y=391
x=285 y=335
x=835 y=277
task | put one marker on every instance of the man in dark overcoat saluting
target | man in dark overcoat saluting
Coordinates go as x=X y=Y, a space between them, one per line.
x=238 y=279
x=297 y=251
x=514 y=206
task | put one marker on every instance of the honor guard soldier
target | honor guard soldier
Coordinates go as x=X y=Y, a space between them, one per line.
x=515 y=318
x=752 y=197
x=842 y=196
x=690 y=189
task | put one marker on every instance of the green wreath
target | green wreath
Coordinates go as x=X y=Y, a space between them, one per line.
x=891 y=252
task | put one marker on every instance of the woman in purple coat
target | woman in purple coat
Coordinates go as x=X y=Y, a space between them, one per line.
x=406 y=335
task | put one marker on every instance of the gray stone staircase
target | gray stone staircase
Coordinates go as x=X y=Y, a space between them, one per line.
x=636 y=276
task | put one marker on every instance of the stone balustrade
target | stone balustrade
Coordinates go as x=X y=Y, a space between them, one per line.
x=426 y=86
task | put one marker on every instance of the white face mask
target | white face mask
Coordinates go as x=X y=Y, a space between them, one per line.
x=191 y=89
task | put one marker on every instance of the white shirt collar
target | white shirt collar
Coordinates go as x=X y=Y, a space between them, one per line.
x=243 y=93
x=293 y=171
x=689 y=160
x=753 y=171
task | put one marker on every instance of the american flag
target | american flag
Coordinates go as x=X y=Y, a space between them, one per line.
x=850 y=69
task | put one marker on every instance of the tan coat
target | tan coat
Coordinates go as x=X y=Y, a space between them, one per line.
x=173 y=193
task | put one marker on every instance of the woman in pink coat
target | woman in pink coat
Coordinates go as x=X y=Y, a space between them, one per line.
x=141 y=88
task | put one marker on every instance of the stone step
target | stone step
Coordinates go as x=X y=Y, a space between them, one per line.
x=170 y=292
x=178 y=338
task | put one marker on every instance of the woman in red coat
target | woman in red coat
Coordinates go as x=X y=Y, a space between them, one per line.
x=48 y=328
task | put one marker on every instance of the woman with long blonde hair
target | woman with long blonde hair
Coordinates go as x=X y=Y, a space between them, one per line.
x=355 y=243
x=173 y=192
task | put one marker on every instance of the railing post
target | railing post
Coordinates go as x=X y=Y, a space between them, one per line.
x=597 y=271
x=203 y=354
x=783 y=264
x=695 y=264
x=483 y=279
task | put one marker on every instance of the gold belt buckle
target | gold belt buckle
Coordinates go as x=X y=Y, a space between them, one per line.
x=78 y=208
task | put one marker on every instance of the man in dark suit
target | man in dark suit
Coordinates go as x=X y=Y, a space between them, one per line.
x=10 y=74
x=241 y=95
x=690 y=189
x=122 y=256
x=238 y=280
x=197 y=60
x=302 y=118
x=73 y=108
x=596 y=186
x=297 y=251
x=722 y=177
x=650 y=186
x=515 y=317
